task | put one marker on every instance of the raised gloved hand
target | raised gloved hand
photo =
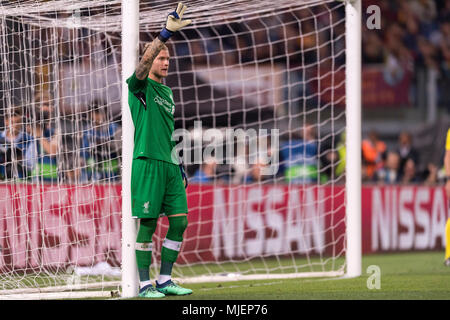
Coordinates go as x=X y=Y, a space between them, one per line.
x=174 y=23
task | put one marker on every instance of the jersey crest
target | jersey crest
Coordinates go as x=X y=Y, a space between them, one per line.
x=166 y=104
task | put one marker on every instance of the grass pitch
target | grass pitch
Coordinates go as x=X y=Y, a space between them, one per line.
x=404 y=276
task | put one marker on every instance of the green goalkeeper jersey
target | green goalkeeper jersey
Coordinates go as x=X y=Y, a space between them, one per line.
x=153 y=122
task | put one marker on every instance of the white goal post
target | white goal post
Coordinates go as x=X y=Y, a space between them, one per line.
x=353 y=164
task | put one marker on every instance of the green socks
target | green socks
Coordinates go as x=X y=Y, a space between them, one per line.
x=144 y=247
x=169 y=252
x=171 y=246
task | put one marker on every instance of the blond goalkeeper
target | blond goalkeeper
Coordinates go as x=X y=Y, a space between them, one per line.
x=157 y=180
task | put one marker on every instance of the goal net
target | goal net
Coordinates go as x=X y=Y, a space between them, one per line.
x=260 y=118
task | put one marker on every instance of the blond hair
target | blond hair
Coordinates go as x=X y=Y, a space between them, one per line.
x=163 y=47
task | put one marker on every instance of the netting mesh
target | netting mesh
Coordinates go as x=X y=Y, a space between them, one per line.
x=273 y=70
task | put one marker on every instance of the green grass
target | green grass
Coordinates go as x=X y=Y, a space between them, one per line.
x=259 y=265
x=404 y=276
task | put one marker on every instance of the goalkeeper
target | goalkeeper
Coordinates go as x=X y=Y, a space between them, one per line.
x=156 y=183
x=447 y=191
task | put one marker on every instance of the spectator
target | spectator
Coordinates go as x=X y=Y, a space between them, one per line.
x=329 y=160
x=255 y=173
x=428 y=54
x=412 y=26
x=206 y=173
x=43 y=161
x=100 y=145
x=247 y=158
x=425 y=11
x=444 y=11
x=372 y=47
x=342 y=151
x=431 y=174
x=264 y=163
x=244 y=49
x=300 y=157
x=198 y=53
x=72 y=166
x=373 y=152
x=409 y=173
x=240 y=163
x=406 y=150
x=15 y=146
x=441 y=39
x=42 y=101
x=389 y=173
x=398 y=57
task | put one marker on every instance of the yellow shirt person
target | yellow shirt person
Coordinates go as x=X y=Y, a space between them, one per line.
x=447 y=191
x=447 y=144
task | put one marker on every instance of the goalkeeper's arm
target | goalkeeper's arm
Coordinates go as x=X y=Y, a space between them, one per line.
x=151 y=50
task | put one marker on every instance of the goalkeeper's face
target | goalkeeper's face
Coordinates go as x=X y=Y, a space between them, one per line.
x=160 y=66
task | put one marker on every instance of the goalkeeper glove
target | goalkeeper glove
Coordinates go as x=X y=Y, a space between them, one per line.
x=184 y=176
x=174 y=23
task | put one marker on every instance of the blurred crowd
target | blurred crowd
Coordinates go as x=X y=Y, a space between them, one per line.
x=414 y=36
x=413 y=32
x=36 y=150
x=35 y=147
x=306 y=159
x=399 y=165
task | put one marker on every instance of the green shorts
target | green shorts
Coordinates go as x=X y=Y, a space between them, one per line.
x=156 y=188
